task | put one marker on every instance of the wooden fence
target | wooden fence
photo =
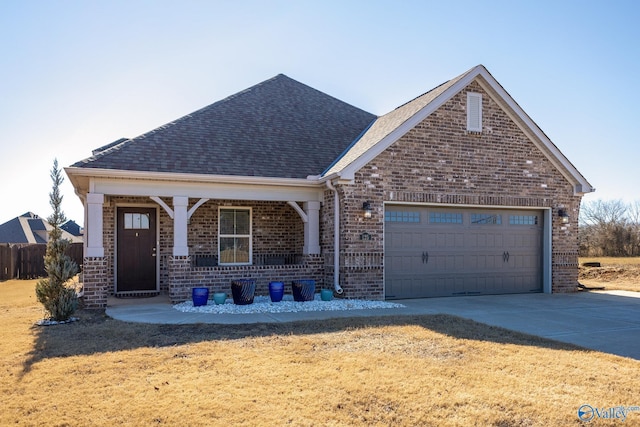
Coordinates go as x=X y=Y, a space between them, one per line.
x=26 y=261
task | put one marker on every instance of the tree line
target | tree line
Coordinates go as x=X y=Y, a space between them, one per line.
x=609 y=228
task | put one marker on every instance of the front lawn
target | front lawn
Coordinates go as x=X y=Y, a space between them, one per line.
x=418 y=370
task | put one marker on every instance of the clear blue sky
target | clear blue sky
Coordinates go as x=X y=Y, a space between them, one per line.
x=76 y=75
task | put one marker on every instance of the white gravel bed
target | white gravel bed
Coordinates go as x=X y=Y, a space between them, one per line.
x=263 y=304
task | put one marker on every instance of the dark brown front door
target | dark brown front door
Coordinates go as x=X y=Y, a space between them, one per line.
x=136 y=250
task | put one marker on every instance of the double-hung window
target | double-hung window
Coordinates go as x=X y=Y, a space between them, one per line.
x=234 y=236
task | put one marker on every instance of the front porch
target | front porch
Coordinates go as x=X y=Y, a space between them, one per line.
x=198 y=242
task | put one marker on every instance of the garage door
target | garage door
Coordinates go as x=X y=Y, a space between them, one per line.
x=432 y=252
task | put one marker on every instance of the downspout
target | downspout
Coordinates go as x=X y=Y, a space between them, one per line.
x=336 y=239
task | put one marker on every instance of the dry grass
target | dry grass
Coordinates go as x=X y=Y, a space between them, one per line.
x=421 y=370
x=614 y=273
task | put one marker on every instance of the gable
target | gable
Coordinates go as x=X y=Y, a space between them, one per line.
x=405 y=118
x=440 y=156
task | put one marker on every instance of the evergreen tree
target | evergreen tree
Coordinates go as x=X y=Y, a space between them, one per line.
x=59 y=300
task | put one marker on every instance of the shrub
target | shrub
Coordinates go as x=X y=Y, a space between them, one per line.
x=59 y=300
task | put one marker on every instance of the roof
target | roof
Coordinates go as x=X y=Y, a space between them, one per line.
x=278 y=128
x=72 y=228
x=29 y=228
x=283 y=129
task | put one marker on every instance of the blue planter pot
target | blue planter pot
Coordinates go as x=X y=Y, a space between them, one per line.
x=276 y=291
x=326 y=294
x=219 y=298
x=199 y=296
x=303 y=290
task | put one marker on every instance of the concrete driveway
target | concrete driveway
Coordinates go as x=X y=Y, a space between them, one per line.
x=603 y=321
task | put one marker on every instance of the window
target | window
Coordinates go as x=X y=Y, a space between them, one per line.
x=523 y=219
x=234 y=236
x=474 y=112
x=482 y=219
x=401 y=216
x=445 y=218
x=136 y=221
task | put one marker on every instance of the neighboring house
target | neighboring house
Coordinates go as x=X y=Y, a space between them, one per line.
x=30 y=228
x=72 y=227
x=456 y=192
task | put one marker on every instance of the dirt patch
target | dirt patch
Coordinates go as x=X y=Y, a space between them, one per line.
x=614 y=273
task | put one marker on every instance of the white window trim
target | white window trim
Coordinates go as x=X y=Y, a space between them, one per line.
x=250 y=235
x=474 y=107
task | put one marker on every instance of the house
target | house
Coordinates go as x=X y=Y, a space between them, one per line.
x=30 y=228
x=72 y=227
x=456 y=192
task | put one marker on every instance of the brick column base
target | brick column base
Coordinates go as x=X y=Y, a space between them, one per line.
x=179 y=278
x=95 y=286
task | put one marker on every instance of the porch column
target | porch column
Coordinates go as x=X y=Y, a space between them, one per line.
x=93 y=227
x=312 y=228
x=180 y=217
x=95 y=267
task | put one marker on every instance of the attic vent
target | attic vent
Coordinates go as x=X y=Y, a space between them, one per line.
x=474 y=112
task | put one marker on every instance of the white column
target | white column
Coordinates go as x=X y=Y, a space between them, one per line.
x=180 y=244
x=312 y=228
x=94 y=226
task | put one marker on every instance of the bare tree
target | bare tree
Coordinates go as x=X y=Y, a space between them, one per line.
x=609 y=228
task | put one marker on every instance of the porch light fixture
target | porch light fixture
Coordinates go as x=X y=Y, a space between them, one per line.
x=564 y=216
x=366 y=209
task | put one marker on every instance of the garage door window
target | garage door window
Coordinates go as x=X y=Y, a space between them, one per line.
x=484 y=219
x=401 y=216
x=523 y=219
x=445 y=218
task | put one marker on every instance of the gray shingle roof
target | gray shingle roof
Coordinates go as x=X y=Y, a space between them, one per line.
x=29 y=228
x=386 y=124
x=278 y=128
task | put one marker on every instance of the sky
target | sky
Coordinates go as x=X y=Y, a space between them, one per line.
x=76 y=75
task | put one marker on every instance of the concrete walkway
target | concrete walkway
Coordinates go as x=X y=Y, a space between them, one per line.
x=606 y=321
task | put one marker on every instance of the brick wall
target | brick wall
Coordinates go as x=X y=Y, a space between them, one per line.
x=439 y=162
x=277 y=228
x=218 y=279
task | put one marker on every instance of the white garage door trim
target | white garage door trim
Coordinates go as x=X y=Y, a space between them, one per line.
x=546 y=231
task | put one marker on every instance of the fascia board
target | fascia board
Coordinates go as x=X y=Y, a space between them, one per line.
x=271 y=190
x=184 y=177
x=349 y=171
x=528 y=126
